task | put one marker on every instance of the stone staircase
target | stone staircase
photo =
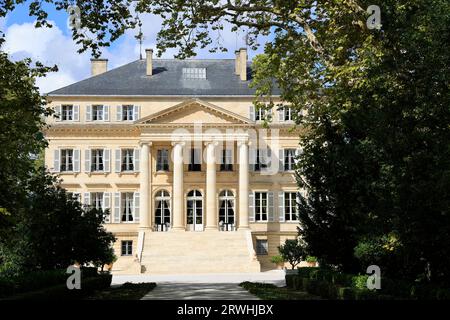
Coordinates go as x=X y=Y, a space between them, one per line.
x=198 y=252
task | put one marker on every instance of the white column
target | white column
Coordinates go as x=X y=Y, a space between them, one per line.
x=211 y=190
x=178 y=199
x=144 y=180
x=243 y=185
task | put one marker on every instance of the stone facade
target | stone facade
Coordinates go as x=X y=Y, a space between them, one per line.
x=221 y=208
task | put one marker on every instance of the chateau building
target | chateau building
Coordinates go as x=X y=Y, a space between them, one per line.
x=175 y=151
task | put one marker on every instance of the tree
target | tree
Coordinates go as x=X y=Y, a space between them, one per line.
x=292 y=251
x=55 y=236
x=375 y=161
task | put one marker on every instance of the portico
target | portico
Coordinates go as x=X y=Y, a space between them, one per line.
x=197 y=151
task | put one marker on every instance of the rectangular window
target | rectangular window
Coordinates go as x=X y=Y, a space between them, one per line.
x=127 y=113
x=194 y=73
x=127 y=248
x=260 y=114
x=162 y=160
x=262 y=159
x=288 y=114
x=127 y=207
x=227 y=160
x=290 y=206
x=195 y=160
x=66 y=112
x=262 y=247
x=127 y=160
x=97 y=112
x=261 y=206
x=66 y=160
x=97 y=200
x=97 y=160
x=289 y=157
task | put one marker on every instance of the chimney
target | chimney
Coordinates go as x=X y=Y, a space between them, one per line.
x=149 y=55
x=99 y=66
x=243 y=64
x=236 y=63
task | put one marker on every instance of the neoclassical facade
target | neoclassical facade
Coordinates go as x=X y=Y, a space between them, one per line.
x=178 y=156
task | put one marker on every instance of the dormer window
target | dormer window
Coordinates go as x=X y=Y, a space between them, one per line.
x=194 y=73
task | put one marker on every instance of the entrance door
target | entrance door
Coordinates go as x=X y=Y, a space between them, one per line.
x=194 y=212
x=226 y=211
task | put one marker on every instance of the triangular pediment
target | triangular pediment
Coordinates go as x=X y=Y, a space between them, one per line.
x=194 y=111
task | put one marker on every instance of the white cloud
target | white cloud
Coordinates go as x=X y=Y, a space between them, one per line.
x=52 y=46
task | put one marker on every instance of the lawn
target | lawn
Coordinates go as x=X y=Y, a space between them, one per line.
x=127 y=291
x=267 y=291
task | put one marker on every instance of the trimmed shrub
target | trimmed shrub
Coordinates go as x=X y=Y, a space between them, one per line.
x=305 y=272
x=289 y=280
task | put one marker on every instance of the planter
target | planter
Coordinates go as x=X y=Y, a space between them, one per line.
x=290 y=271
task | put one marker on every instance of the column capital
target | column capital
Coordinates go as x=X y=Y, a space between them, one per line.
x=148 y=143
x=243 y=142
x=215 y=143
x=182 y=143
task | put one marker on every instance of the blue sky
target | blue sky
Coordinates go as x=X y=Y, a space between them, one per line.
x=55 y=45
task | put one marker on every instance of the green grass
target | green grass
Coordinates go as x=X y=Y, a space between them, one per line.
x=127 y=291
x=267 y=291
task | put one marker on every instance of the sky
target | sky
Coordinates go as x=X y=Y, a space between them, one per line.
x=55 y=46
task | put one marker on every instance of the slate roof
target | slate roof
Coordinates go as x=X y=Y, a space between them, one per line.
x=167 y=80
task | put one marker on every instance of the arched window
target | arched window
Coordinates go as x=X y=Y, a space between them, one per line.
x=162 y=210
x=194 y=208
x=226 y=211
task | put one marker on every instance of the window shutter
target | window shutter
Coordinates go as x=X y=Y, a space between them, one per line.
x=107 y=205
x=87 y=199
x=281 y=160
x=117 y=207
x=136 y=206
x=251 y=207
x=76 y=113
x=118 y=158
x=281 y=114
x=76 y=160
x=281 y=206
x=87 y=160
x=107 y=160
x=270 y=206
x=269 y=157
x=251 y=159
x=119 y=113
x=89 y=113
x=57 y=160
x=136 y=113
x=106 y=113
x=136 y=159
x=58 y=113
x=252 y=113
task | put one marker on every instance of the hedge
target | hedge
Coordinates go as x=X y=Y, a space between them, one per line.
x=38 y=280
x=330 y=284
x=61 y=292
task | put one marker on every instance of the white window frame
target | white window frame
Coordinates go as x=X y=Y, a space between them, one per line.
x=162 y=159
x=127 y=162
x=290 y=212
x=96 y=200
x=260 y=211
x=98 y=112
x=127 y=204
x=128 y=246
x=128 y=112
x=289 y=159
x=69 y=160
x=97 y=160
x=260 y=114
x=226 y=160
x=265 y=247
x=66 y=113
